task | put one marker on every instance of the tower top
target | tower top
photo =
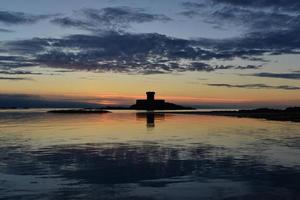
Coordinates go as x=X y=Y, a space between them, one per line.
x=150 y=96
x=150 y=92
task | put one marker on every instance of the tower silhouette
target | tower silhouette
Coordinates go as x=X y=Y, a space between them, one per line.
x=150 y=96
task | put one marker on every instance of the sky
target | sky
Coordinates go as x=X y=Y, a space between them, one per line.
x=204 y=53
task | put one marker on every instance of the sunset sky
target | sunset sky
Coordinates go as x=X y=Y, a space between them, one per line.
x=219 y=53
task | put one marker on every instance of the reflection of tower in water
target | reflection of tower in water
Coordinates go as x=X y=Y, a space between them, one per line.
x=150 y=118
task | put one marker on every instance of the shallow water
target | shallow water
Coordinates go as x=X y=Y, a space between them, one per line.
x=127 y=155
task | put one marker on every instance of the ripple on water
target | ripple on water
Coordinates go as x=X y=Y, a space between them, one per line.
x=117 y=156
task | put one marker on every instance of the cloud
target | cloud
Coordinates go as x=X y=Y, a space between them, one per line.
x=255 y=44
x=110 y=48
x=19 y=72
x=109 y=18
x=270 y=27
x=255 y=86
x=294 y=75
x=16 y=18
x=276 y=5
x=115 y=52
x=36 y=101
x=7 y=63
x=256 y=15
x=252 y=20
x=200 y=66
x=192 y=9
x=238 y=67
x=70 y=22
x=16 y=78
x=4 y=30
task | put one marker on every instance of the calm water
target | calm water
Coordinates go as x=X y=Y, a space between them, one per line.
x=124 y=155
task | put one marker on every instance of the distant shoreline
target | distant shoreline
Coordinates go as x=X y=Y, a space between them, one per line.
x=289 y=114
x=79 y=111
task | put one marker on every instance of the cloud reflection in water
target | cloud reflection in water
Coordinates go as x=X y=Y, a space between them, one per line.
x=145 y=169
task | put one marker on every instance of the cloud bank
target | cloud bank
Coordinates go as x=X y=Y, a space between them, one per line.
x=15 y=78
x=293 y=75
x=271 y=28
x=255 y=86
x=109 y=18
x=17 y=18
x=36 y=101
x=4 y=30
x=116 y=52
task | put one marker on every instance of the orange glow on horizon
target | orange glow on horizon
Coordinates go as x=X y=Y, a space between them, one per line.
x=114 y=99
x=117 y=99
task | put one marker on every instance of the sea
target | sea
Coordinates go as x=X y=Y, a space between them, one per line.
x=146 y=155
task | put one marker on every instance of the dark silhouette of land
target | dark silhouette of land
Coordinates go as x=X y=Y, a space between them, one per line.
x=288 y=114
x=13 y=108
x=80 y=111
x=156 y=104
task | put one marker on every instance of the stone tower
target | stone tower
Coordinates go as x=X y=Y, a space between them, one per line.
x=150 y=96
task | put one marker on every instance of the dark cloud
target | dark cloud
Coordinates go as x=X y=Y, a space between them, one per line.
x=25 y=47
x=123 y=15
x=15 y=18
x=249 y=67
x=129 y=53
x=276 y=5
x=270 y=27
x=110 y=48
x=237 y=67
x=252 y=19
x=70 y=22
x=19 y=72
x=255 y=86
x=7 y=63
x=199 y=66
x=15 y=64
x=193 y=9
x=4 y=30
x=16 y=78
x=255 y=44
x=36 y=101
x=294 y=75
x=110 y=18
x=266 y=15
x=256 y=20
x=273 y=28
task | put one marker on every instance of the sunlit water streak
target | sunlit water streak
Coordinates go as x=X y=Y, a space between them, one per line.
x=125 y=155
